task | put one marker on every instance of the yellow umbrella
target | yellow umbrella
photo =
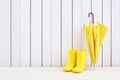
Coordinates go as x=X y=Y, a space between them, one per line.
x=101 y=33
x=94 y=38
x=89 y=40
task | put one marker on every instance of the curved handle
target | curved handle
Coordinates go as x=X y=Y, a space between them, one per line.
x=92 y=16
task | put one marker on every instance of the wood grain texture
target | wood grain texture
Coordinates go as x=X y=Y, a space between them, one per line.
x=25 y=33
x=66 y=29
x=115 y=33
x=106 y=22
x=85 y=20
x=40 y=32
x=77 y=24
x=56 y=33
x=5 y=33
x=36 y=32
x=47 y=32
x=16 y=32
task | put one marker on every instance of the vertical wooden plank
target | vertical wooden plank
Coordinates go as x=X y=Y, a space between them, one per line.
x=47 y=32
x=56 y=33
x=115 y=33
x=66 y=29
x=25 y=32
x=97 y=10
x=5 y=32
x=85 y=20
x=77 y=27
x=106 y=22
x=15 y=32
x=36 y=32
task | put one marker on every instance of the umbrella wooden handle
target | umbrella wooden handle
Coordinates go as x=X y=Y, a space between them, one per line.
x=92 y=16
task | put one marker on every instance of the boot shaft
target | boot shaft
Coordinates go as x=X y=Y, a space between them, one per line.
x=72 y=56
x=81 y=57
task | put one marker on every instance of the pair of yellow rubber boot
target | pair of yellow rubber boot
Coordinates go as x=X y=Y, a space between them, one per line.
x=76 y=61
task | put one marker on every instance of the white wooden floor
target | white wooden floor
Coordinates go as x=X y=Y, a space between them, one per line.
x=56 y=73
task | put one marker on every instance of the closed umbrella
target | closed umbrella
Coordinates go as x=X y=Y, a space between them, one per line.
x=94 y=35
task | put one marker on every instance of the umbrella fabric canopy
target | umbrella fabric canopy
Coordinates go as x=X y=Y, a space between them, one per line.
x=94 y=38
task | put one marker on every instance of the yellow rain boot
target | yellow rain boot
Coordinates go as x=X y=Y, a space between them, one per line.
x=71 y=60
x=81 y=61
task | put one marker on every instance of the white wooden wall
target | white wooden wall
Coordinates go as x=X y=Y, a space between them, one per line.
x=40 y=32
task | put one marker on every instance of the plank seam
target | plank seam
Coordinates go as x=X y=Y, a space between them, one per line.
x=91 y=6
x=72 y=23
x=81 y=24
x=51 y=33
x=30 y=31
x=41 y=33
x=10 y=33
x=91 y=11
x=61 y=33
x=111 y=37
x=20 y=35
x=102 y=23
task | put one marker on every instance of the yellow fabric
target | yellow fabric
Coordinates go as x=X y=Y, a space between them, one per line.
x=94 y=38
x=89 y=39
x=71 y=60
x=102 y=31
x=81 y=61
